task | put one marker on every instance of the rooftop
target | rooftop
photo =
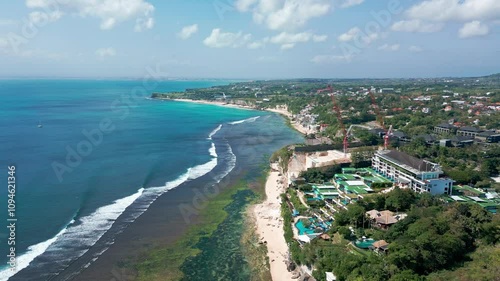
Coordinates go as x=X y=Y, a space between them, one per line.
x=445 y=125
x=470 y=129
x=488 y=134
x=380 y=244
x=406 y=160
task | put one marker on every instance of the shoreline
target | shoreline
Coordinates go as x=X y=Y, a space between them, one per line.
x=146 y=257
x=282 y=112
x=269 y=227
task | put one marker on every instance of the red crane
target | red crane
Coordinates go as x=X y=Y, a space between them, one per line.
x=336 y=109
x=380 y=119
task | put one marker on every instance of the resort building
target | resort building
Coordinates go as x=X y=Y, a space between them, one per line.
x=380 y=246
x=490 y=201
x=384 y=219
x=350 y=186
x=445 y=128
x=489 y=136
x=408 y=171
x=468 y=131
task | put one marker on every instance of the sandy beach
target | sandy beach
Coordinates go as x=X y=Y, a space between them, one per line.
x=283 y=112
x=269 y=224
x=288 y=115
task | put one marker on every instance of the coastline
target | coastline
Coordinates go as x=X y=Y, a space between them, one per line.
x=269 y=227
x=265 y=217
x=149 y=244
x=296 y=126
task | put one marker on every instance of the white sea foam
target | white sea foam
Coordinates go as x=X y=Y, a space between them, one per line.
x=212 y=150
x=91 y=228
x=214 y=132
x=231 y=160
x=249 y=120
x=204 y=169
x=33 y=251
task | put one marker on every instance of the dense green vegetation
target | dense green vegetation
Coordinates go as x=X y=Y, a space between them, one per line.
x=282 y=157
x=435 y=241
x=467 y=165
x=320 y=175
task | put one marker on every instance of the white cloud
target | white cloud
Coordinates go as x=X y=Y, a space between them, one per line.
x=416 y=26
x=142 y=24
x=110 y=12
x=454 y=10
x=4 y=43
x=219 y=39
x=267 y=59
x=256 y=45
x=387 y=47
x=415 y=49
x=350 y=3
x=350 y=35
x=106 y=52
x=472 y=29
x=285 y=37
x=7 y=22
x=325 y=59
x=284 y=14
x=319 y=38
x=288 y=40
x=40 y=18
x=287 y=46
x=244 y=5
x=355 y=33
x=188 y=31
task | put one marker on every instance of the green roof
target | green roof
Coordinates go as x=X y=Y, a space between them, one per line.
x=349 y=170
x=467 y=188
x=345 y=176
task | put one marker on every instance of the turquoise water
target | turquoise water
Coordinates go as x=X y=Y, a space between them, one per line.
x=365 y=244
x=302 y=229
x=65 y=202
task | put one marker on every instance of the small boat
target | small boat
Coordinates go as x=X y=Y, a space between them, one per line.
x=40 y=124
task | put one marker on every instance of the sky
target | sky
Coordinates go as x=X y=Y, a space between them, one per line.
x=249 y=39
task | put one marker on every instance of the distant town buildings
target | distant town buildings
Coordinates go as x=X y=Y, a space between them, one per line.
x=467 y=135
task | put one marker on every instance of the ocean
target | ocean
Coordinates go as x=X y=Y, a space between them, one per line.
x=92 y=156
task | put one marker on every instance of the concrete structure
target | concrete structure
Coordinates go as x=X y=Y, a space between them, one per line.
x=461 y=141
x=326 y=158
x=445 y=128
x=468 y=131
x=386 y=90
x=408 y=171
x=400 y=136
x=489 y=136
x=330 y=276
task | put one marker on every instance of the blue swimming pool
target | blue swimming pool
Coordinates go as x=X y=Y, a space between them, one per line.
x=302 y=229
x=365 y=243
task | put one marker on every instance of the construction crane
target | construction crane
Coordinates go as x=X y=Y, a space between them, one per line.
x=380 y=120
x=336 y=109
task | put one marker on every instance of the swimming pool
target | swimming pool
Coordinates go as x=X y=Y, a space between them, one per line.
x=364 y=244
x=302 y=229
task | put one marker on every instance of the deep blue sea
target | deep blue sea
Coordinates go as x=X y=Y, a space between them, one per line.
x=86 y=150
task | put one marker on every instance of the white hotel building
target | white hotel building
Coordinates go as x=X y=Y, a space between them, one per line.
x=408 y=171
